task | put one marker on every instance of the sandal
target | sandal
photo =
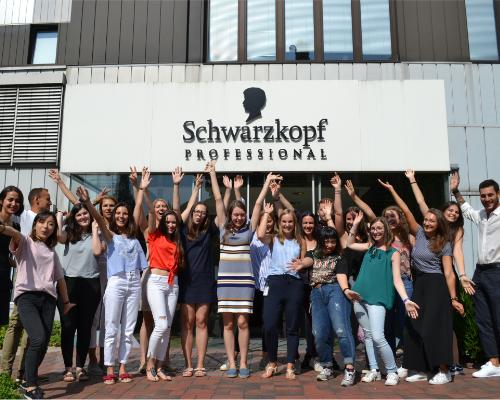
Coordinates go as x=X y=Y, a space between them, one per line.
x=187 y=373
x=125 y=378
x=142 y=369
x=153 y=372
x=68 y=376
x=269 y=368
x=289 y=373
x=109 y=379
x=82 y=376
x=200 y=372
x=161 y=371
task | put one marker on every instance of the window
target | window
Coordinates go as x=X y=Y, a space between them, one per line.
x=261 y=30
x=45 y=49
x=337 y=30
x=376 y=30
x=299 y=30
x=482 y=30
x=223 y=45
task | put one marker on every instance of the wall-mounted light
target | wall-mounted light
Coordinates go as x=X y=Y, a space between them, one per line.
x=298 y=193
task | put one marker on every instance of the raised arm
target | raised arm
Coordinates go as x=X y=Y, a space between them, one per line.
x=410 y=306
x=412 y=223
x=327 y=209
x=261 y=230
x=219 y=204
x=450 y=280
x=68 y=193
x=454 y=189
x=360 y=203
x=177 y=177
x=260 y=200
x=98 y=247
x=10 y=231
x=62 y=236
x=228 y=183
x=83 y=194
x=194 y=196
x=424 y=209
x=351 y=239
x=281 y=202
x=238 y=183
x=337 y=209
x=145 y=181
x=458 y=255
x=151 y=211
x=142 y=222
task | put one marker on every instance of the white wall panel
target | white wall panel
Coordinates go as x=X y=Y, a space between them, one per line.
x=359 y=72
x=249 y=72
x=304 y=72
x=98 y=75
x=429 y=71
x=374 y=72
x=84 y=75
x=138 y=74
x=276 y=72
x=488 y=102
x=12 y=177
x=165 y=73
x=476 y=154
x=233 y=72
x=388 y=71
x=192 y=73
x=415 y=71
x=457 y=145
x=444 y=73
x=38 y=178
x=492 y=139
x=178 y=73
x=51 y=186
x=331 y=71
x=317 y=72
x=124 y=74
x=2 y=177
x=219 y=73
x=110 y=75
x=459 y=94
x=25 y=185
x=206 y=73
x=289 y=72
x=473 y=94
x=345 y=71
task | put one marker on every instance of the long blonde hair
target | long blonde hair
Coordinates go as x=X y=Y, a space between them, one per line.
x=296 y=232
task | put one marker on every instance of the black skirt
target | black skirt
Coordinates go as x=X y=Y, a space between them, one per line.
x=428 y=340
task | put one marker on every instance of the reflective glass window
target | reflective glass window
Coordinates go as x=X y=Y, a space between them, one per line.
x=223 y=42
x=376 y=30
x=482 y=30
x=299 y=30
x=337 y=30
x=261 y=30
x=45 y=47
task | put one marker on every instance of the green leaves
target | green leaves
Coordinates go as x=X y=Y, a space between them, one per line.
x=8 y=388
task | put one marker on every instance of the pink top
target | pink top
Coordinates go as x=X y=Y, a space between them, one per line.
x=38 y=267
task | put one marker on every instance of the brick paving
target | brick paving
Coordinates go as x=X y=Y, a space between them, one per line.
x=217 y=386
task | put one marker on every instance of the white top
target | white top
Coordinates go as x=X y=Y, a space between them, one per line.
x=26 y=221
x=488 y=233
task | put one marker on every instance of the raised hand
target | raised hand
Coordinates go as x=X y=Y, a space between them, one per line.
x=387 y=185
x=268 y=208
x=133 y=177
x=199 y=181
x=210 y=166
x=83 y=194
x=454 y=182
x=177 y=176
x=238 y=181
x=55 y=176
x=353 y=296
x=327 y=207
x=145 y=181
x=295 y=265
x=467 y=285
x=411 y=307
x=336 y=182
x=104 y=192
x=410 y=174
x=275 y=188
x=359 y=219
x=272 y=177
x=95 y=226
x=350 y=188
x=228 y=183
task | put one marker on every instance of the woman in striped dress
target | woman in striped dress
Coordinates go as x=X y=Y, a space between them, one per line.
x=235 y=284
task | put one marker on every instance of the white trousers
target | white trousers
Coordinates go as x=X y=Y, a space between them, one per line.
x=162 y=299
x=121 y=305
x=98 y=317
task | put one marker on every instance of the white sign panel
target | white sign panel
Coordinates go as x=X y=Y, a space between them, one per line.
x=256 y=126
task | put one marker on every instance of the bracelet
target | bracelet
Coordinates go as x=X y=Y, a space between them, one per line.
x=267 y=212
x=347 y=288
x=462 y=275
x=405 y=300
x=278 y=199
x=414 y=183
x=454 y=298
x=337 y=191
x=66 y=302
x=455 y=191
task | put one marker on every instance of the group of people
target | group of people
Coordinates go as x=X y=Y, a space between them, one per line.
x=345 y=270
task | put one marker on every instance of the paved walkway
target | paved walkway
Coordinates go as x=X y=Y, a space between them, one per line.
x=217 y=386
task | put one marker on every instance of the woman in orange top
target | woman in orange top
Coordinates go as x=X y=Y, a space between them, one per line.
x=166 y=257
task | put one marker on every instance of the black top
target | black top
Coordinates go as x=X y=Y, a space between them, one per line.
x=5 y=268
x=354 y=260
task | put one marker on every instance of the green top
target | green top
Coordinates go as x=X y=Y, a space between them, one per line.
x=375 y=283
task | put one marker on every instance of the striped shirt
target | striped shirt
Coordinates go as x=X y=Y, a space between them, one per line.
x=260 y=254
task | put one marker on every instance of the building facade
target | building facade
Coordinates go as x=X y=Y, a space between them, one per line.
x=365 y=88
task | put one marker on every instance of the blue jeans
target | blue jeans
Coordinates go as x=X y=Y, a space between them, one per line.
x=397 y=315
x=371 y=318
x=331 y=309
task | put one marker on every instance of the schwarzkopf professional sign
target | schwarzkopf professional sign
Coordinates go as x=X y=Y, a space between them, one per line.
x=257 y=126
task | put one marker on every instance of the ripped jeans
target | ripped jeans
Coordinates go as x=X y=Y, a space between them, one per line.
x=332 y=310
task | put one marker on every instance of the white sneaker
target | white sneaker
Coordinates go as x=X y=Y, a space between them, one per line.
x=225 y=366
x=440 y=378
x=417 y=377
x=487 y=370
x=325 y=375
x=392 y=379
x=263 y=364
x=348 y=378
x=372 y=376
x=316 y=365
x=402 y=372
x=297 y=369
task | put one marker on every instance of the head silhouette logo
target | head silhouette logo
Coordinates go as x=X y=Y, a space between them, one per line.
x=255 y=100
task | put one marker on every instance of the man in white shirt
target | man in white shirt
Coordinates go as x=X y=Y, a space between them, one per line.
x=487 y=275
x=39 y=200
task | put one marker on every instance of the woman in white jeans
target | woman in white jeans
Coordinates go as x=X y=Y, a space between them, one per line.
x=126 y=260
x=166 y=257
x=373 y=293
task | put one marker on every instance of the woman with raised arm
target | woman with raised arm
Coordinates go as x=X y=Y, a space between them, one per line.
x=455 y=219
x=374 y=292
x=36 y=297
x=121 y=300
x=283 y=288
x=434 y=283
x=82 y=249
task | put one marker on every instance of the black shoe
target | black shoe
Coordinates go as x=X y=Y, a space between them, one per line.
x=34 y=394
x=307 y=361
x=456 y=369
x=22 y=387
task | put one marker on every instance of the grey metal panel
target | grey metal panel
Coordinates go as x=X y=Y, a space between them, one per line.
x=2 y=177
x=459 y=94
x=58 y=11
x=464 y=34
x=180 y=31
x=439 y=31
x=400 y=23
x=492 y=140
x=196 y=25
x=23 y=36
x=444 y=73
x=13 y=45
x=476 y=154
x=452 y=31
x=24 y=183
x=11 y=177
x=2 y=36
x=73 y=35
x=66 y=10
x=113 y=32
x=411 y=31
x=416 y=71
x=166 y=31
x=126 y=32
x=37 y=179
x=45 y=11
x=140 y=23
x=61 y=43
x=425 y=30
x=51 y=11
x=457 y=145
x=487 y=94
x=6 y=45
x=100 y=32
x=473 y=93
x=50 y=185
x=87 y=35
x=429 y=71
x=153 y=32
x=37 y=13
x=496 y=83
